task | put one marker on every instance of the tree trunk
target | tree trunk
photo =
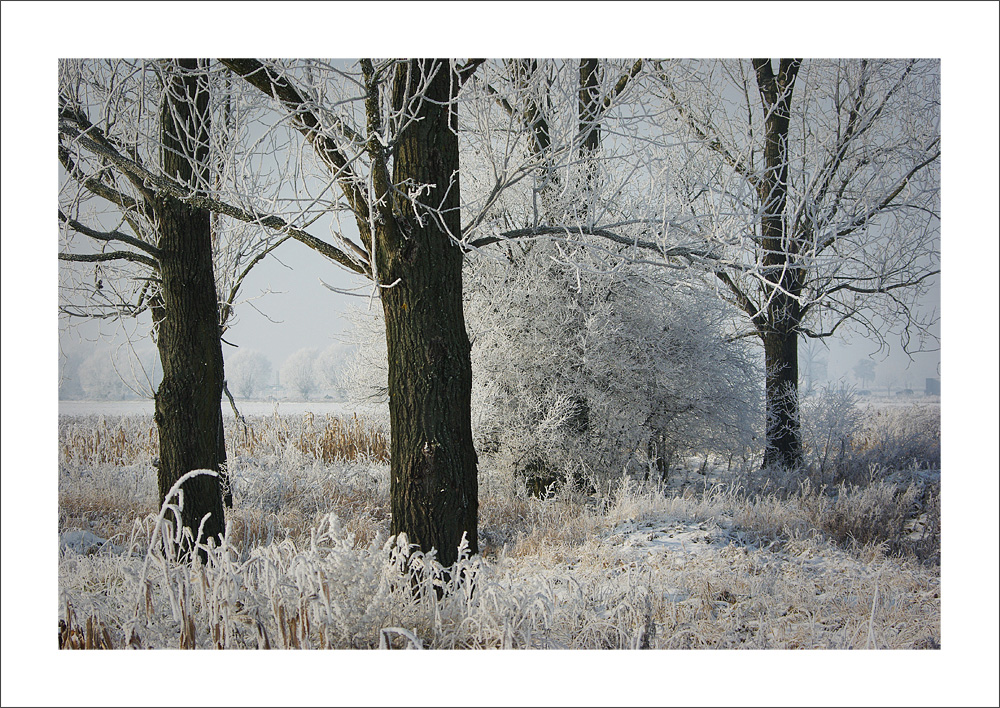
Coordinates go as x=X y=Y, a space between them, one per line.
x=189 y=399
x=590 y=115
x=779 y=331
x=590 y=107
x=783 y=445
x=434 y=486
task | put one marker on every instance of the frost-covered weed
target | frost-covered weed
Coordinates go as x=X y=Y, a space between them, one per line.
x=872 y=478
x=106 y=475
x=830 y=422
x=283 y=469
x=328 y=592
x=112 y=440
x=900 y=437
x=307 y=563
x=844 y=440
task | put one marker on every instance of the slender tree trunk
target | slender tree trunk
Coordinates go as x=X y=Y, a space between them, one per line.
x=590 y=107
x=189 y=399
x=434 y=485
x=590 y=115
x=534 y=118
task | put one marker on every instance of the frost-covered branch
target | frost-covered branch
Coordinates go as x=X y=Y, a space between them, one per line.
x=110 y=236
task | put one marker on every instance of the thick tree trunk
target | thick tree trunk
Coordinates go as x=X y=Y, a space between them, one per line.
x=783 y=445
x=779 y=331
x=434 y=485
x=188 y=411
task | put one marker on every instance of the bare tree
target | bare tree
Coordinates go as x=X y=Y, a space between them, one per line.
x=390 y=139
x=421 y=190
x=126 y=129
x=818 y=184
x=330 y=364
x=864 y=370
x=397 y=173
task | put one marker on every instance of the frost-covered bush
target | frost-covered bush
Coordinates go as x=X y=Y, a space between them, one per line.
x=844 y=440
x=586 y=373
x=575 y=369
x=900 y=437
x=330 y=367
x=830 y=421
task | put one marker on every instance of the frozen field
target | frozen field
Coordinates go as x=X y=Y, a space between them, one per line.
x=145 y=407
x=716 y=557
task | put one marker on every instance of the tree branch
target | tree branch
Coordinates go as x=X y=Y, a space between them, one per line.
x=622 y=84
x=742 y=300
x=712 y=143
x=358 y=264
x=110 y=236
x=98 y=188
x=227 y=306
x=887 y=201
x=281 y=89
x=567 y=231
x=110 y=256
x=381 y=181
x=884 y=288
x=466 y=71
x=78 y=117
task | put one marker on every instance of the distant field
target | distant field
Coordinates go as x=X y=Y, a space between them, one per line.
x=145 y=407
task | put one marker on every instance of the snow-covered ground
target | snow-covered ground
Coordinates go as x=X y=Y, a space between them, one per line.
x=709 y=560
x=700 y=563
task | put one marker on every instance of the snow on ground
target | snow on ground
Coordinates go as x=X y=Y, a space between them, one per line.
x=686 y=566
x=664 y=534
x=85 y=543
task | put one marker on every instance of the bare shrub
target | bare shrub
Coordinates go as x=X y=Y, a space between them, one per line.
x=899 y=437
x=844 y=441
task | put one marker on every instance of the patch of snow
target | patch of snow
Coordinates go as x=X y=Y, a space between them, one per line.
x=86 y=543
x=664 y=534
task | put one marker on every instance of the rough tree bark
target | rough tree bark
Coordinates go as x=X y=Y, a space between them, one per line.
x=411 y=240
x=188 y=411
x=779 y=329
x=434 y=484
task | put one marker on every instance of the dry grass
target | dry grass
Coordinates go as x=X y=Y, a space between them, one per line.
x=126 y=440
x=332 y=438
x=306 y=562
x=107 y=477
